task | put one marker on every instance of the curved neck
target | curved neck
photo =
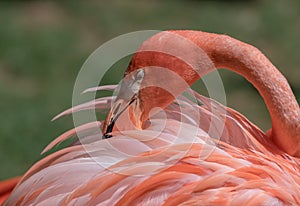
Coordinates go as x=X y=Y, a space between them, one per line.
x=249 y=62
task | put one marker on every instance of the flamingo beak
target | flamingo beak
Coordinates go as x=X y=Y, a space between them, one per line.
x=127 y=95
x=117 y=109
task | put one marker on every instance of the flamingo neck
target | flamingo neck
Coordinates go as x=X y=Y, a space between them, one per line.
x=249 y=62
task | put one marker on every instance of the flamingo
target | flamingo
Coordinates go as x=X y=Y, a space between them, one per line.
x=161 y=148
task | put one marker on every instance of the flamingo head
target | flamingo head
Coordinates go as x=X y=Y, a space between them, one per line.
x=164 y=66
x=143 y=92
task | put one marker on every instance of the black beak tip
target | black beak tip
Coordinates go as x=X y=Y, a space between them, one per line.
x=106 y=136
x=109 y=129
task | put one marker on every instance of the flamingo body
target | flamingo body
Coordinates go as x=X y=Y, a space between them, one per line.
x=251 y=171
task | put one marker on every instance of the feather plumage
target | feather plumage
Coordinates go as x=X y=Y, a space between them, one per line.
x=163 y=168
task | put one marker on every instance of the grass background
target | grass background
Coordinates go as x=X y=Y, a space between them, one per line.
x=43 y=45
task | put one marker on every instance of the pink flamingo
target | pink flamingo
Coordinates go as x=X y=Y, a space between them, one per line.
x=181 y=164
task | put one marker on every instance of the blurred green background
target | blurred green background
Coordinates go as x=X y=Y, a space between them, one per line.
x=43 y=45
